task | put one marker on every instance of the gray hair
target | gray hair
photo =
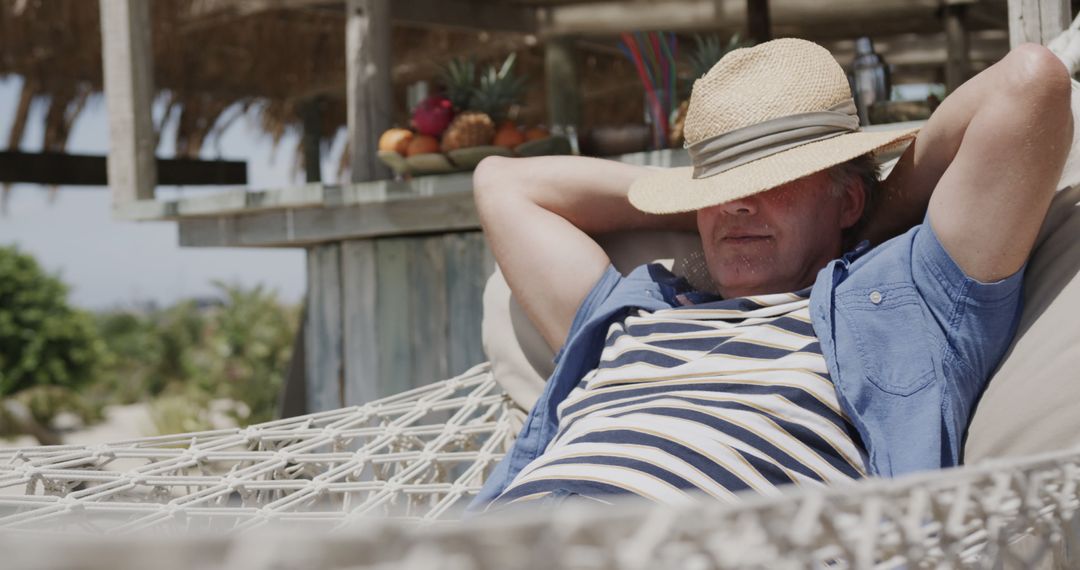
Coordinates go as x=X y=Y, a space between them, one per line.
x=864 y=171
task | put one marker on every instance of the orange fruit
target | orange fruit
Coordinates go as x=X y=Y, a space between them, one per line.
x=536 y=133
x=509 y=136
x=396 y=140
x=422 y=144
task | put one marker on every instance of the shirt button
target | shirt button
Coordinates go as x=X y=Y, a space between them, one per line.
x=875 y=297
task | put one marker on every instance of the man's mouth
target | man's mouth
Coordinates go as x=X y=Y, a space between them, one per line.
x=741 y=239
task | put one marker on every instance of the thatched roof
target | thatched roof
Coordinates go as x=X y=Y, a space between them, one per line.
x=206 y=61
x=214 y=59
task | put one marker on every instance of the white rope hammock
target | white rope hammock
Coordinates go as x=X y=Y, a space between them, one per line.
x=376 y=487
x=414 y=456
x=370 y=474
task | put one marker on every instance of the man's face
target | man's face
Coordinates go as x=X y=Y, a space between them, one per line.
x=777 y=241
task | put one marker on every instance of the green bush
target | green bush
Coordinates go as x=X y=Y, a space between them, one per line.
x=48 y=349
x=235 y=352
x=43 y=340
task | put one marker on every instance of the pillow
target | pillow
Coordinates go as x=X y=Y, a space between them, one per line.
x=520 y=358
x=1032 y=404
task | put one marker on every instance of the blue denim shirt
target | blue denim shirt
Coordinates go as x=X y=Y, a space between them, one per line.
x=908 y=338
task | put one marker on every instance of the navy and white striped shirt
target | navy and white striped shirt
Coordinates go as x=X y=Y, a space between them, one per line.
x=722 y=397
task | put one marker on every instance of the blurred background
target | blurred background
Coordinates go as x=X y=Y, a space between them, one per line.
x=184 y=294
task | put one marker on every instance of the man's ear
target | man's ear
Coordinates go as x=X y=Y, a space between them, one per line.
x=852 y=203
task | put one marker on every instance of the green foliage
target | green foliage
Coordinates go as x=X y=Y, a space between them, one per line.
x=195 y=362
x=43 y=340
x=496 y=91
x=233 y=354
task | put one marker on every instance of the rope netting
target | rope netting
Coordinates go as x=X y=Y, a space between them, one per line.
x=414 y=455
x=369 y=474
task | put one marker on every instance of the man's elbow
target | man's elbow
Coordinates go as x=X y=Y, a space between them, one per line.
x=1036 y=74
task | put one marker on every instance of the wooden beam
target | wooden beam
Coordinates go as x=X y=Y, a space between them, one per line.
x=311 y=111
x=467 y=14
x=957 y=49
x=563 y=83
x=306 y=226
x=61 y=169
x=369 y=93
x=729 y=16
x=323 y=331
x=758 y=27
x=127 y=57
x=1037 y=21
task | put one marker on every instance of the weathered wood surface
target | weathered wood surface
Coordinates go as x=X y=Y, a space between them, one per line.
x=129 y=91
x=1037 y=21
x=958 y=55
x=562 y=82
x=409 y=313
x=323 y=341
x=369 y=89
x=360 y=344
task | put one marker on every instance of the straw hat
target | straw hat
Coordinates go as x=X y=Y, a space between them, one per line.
x=762 y=117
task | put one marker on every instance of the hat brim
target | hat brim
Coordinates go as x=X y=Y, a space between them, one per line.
x=676 y=190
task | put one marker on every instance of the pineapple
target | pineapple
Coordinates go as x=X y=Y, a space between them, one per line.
x=459 y=76
x=499 y=89
x=487 y=104
x=470 y=128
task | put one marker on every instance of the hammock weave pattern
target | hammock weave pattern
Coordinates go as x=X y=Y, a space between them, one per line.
x=413 y=455
x=375 y=486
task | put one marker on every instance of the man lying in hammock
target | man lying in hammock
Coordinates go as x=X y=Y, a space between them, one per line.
x=812 y=361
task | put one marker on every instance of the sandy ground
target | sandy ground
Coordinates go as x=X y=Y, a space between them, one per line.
x=121 y=423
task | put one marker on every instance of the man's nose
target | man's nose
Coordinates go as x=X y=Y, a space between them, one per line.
x=741 y=207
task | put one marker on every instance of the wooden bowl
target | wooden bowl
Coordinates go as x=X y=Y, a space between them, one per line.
x=556 y=144
x=468 y=158
x=429 y=163
x=395 y=161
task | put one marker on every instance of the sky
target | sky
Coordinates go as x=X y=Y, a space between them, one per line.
x=116 y=264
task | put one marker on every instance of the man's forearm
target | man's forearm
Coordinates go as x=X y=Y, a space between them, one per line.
x=590 y=193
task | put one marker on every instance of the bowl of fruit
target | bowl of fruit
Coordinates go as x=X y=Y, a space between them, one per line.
x=456 y=130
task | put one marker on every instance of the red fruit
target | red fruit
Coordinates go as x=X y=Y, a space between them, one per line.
x=433 y=115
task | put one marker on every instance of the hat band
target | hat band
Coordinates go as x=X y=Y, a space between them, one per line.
x=723 y=152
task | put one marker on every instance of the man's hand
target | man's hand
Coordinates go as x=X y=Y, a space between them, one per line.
x=539 y=215
x=991 y=155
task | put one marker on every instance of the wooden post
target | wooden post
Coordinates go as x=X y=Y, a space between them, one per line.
x=323 y=340
x=370 y=96
x=1037 y=21
x=758 y=26
x=957 y=50
x=563 y=86
x=127 y=57
x=311 y=112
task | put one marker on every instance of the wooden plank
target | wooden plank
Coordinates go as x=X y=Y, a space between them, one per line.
x=293 y=400
x=428 y=321
x=837 y=18
x=358 y=288
x=127 y=55
x=427 y=214
x=467 y=14
x=311 y=112
x=467 y=271
x=369 y=91
x=1037 y=21
x=63 y=169
x=393 y=316
x=323 y=342
x=958 y=61
x=563 y=84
